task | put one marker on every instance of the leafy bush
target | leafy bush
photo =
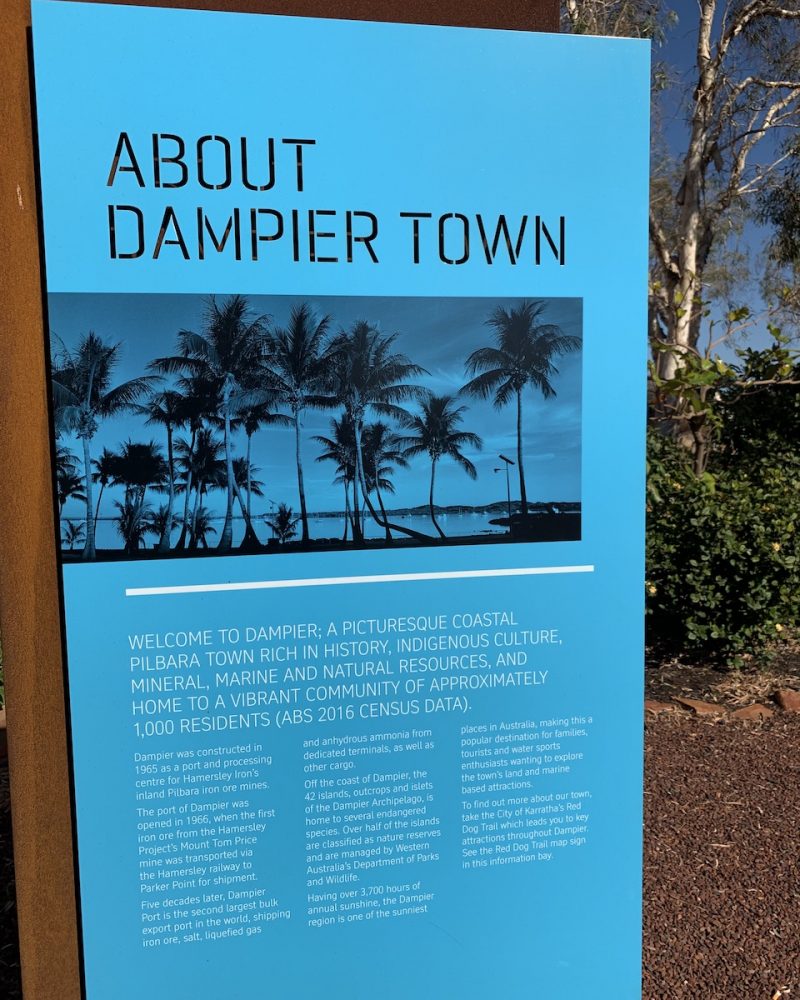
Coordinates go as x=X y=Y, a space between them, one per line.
x=723 y=573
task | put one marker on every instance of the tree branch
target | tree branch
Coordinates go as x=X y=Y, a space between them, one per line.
x=660 y=245
x=753 y=11
x=771 y=119
x=754 y=185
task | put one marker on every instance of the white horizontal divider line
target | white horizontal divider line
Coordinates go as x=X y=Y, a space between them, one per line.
x=336 y=581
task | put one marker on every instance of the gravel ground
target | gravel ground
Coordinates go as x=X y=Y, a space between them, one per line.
x=721 y=872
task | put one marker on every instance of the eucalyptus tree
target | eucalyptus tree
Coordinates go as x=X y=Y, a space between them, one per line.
x=435 y=433
x=84 y=394
x=225 y=354
x=166 y=408
x=742 y=112
x=367 y=375
x=297 y=362
x=523 y=357
x=641 y=19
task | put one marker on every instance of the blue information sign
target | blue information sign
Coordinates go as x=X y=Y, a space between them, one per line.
x=346 y=324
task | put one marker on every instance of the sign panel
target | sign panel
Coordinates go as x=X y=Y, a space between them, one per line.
x=345 y=325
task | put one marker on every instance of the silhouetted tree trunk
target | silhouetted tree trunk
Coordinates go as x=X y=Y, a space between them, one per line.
x=430 y=499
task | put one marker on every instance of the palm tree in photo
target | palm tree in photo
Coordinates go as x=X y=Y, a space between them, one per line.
x=245 y=473
x=225 y=354
x=140 y=465
x=105 y=473
x=367 y=375
x=202 y=527
x=252 y=420
x=69 y=481
x=297 y=361
x=74 y=532
x=340 y=448
x=199 y=400
x=523 y=356
x=283 y=523
x=69 y=486
x=167 y=409
x=134 y=522
x=83 y=395
x=164 y=521
x=434 y=433
x=383 y=451
x=65 y=461
x=207 y=469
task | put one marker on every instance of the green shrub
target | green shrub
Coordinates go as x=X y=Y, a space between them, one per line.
x=723 y=574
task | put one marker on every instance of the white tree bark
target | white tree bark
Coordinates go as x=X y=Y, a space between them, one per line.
x=731 y=113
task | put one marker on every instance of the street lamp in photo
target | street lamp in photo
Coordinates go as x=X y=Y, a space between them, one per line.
x=507 y=462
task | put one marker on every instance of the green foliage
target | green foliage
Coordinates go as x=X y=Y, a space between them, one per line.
x=722 y=549
x=779 y=207
x=762 y=424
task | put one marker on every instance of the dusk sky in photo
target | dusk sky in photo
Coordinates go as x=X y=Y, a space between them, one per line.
x=436 y=333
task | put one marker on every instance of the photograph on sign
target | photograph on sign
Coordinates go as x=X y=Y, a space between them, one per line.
x=348 y=417
x=392 y=416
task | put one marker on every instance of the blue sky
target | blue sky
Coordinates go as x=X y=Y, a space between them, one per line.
x=437 y=333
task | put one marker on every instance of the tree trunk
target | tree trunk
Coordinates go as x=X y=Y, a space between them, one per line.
x=362 y=482
x=686 y=307
x=383 y=512
x=226 y=538
x=358 y=484
x=523 y=495
x=163 y=542
x=300 y=486
x=89 y=551
x=354 y=515
x=249 y=492
x=181 y=543
x=346 y=509
x=97 y=508
x=193 y=528
x=430 y=499
x=251 y=541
